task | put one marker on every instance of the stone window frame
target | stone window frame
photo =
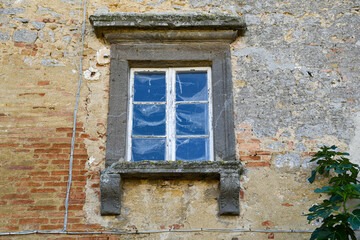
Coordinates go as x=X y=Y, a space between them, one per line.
x=170 y=40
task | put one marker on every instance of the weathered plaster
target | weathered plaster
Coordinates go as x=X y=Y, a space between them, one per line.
x=354 y=147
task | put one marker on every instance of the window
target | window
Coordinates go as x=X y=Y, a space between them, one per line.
x=160 y=117
x=170 y=115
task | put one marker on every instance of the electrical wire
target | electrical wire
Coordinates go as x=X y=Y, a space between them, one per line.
x=220 y=230
x=74 y=122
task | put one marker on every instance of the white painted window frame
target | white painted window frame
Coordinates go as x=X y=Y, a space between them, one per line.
x=170 y=75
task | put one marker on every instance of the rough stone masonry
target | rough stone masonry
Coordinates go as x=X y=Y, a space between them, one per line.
x=295 y=87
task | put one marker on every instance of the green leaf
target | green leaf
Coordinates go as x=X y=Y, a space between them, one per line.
x=323 y=190
x=354 y=219
x=312 y=178
x=324 y=233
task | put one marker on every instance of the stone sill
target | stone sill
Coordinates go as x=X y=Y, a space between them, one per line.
x=228 y=172
x=175 y=168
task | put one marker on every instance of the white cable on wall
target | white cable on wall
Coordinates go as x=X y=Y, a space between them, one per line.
x=74 y=122
x=218 y=230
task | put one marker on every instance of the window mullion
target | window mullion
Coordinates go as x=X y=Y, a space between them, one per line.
x=210 y=107
x=170 y=115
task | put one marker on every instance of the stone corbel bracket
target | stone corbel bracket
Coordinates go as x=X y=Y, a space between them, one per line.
x=228 y=172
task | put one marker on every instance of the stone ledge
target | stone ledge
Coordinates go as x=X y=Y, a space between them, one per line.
x=228 y=172
x=177 y=24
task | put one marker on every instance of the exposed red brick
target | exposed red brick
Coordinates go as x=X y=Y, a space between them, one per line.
x=60 y=173
x=28 y=184
x=12 y=228
x=61 y=145
x=267 y=223
x=25 y=94
x=51 y=227
x=249 y=146
x=37 y=145
x=287 y=205
x=77 y=178
x=33 y=220
x=20 y=168
x=25 y=215
x=257 y=164
x=18 y=44
x=21 y=150
x=59 y=140
x=20 y=202
x=260 y=153
x=77 y=201
x=39 y=174
x=240 y=141
x=48 y=20
x=76 y=151
x=254 y=140
x=43 y=179
x=63 y=129
x=77 y=195
x=176 y=226
x=5 y=145
x=244 y=134
x=247 y=158
x=50 y=150
x=70 y=134
x=241 y=194
x=58 y=162
x=42 y=208
x=55 y=156
x=245 y=126
x=93 y=139
x=17 y=179
x=12 y=196
x=84 y=135
x=271 y=236
x=80 y=156
x=55 y=184
x=43 y=190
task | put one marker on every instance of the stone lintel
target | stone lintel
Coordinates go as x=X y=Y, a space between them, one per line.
x=135 y=26
x=228 y=172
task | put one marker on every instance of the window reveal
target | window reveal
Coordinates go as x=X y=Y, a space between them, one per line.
x=170 y=115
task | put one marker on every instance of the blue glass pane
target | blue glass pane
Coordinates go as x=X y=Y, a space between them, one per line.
x=148 y=149
x=149 y=119
x=192 y=119
x=149 y=87
x=192 y=149
x=191 y=86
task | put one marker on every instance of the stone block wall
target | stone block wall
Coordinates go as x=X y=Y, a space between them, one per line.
x=295 y=84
